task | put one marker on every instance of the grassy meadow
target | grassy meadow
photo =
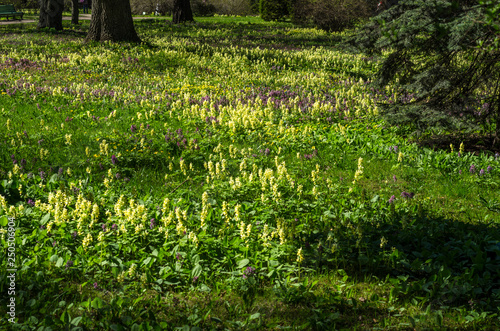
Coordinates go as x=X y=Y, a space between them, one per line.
x=231 y=174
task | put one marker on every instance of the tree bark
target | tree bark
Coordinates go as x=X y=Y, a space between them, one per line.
x=112 y=20
x=51 y=14
x=182 y=12
x=74 y=12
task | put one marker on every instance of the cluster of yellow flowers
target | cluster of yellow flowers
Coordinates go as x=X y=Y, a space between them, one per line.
x=359 y=172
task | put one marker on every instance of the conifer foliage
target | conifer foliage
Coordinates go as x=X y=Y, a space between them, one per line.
x=445 y=56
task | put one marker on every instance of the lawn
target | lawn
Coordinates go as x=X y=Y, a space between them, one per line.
x=230 y=174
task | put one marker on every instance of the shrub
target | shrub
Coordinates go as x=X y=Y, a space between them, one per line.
x=331 y=15
x=149 y=6
x=271 y=10
x=235 y=7
x=202 y=8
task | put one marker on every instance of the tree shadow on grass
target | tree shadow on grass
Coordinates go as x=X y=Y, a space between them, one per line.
x=440 y=261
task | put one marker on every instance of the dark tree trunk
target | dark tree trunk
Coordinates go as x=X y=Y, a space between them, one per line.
x=74 y=12
x=182 y=12
x=51 y=14
x=112 y=20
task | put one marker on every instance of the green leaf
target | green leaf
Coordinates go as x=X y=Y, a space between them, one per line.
x=4 y=221
x=59 y=262
x=243 y=263
x=196 y=272
x=254 y=316
x=54 y=258
x=45 y=219
x=75 y=321
x=146 y=261
x=97 y=303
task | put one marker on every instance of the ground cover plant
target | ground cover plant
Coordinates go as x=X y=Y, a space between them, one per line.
x=231 y=174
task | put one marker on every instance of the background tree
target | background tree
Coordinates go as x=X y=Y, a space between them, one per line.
x=182 y=12
x=442 y=56
x=112 y=20
x=332 y=15
x=271 y=10
x=51 y=14
x=74 y=11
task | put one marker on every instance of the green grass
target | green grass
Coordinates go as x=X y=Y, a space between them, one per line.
x=231 y=174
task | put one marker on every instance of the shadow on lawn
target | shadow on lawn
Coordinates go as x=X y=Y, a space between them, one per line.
x=439 y=261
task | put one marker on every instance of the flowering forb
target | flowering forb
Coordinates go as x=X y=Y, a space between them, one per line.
x=248 y=272
x=407 y=195
x=300 y=256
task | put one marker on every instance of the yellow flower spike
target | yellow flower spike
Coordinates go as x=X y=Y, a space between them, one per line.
x=400 y=157
x=300 y=256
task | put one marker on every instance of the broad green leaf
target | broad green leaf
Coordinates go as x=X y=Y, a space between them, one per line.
x=45 y=219
x=75 y=321
x=243 y=263
x=196 y=272
x=60 y=262
x=97 y=303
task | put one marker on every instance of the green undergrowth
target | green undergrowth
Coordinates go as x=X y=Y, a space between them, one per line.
x=231 y=176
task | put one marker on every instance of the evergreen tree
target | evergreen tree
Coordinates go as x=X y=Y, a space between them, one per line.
x=446 y=53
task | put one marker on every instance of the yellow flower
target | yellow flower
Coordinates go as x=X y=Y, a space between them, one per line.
x=300 y=256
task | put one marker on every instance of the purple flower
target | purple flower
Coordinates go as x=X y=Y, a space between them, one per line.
x=394 y=178
x=249 y=271
x=69 y=264
x=195 y=279
x=392 y=198
x=152 y=223
x=178 y=257
x=481 y=172
x=60 y=171
x=407 y=195
x=472 y=169
x=43 y=175
x=54 y=243
x=96 y=286
x=133 y=128
x=459 y=172
x=74 y=235
x=113 y=227
x=117 y=175
x=113 y=159
x=31 y=202
x=104 y=227
x=489 y=169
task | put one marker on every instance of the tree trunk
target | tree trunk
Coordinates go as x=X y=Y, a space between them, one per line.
x=182 y=12
x=112 y=20
x=51 y=14
x=74 y=12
